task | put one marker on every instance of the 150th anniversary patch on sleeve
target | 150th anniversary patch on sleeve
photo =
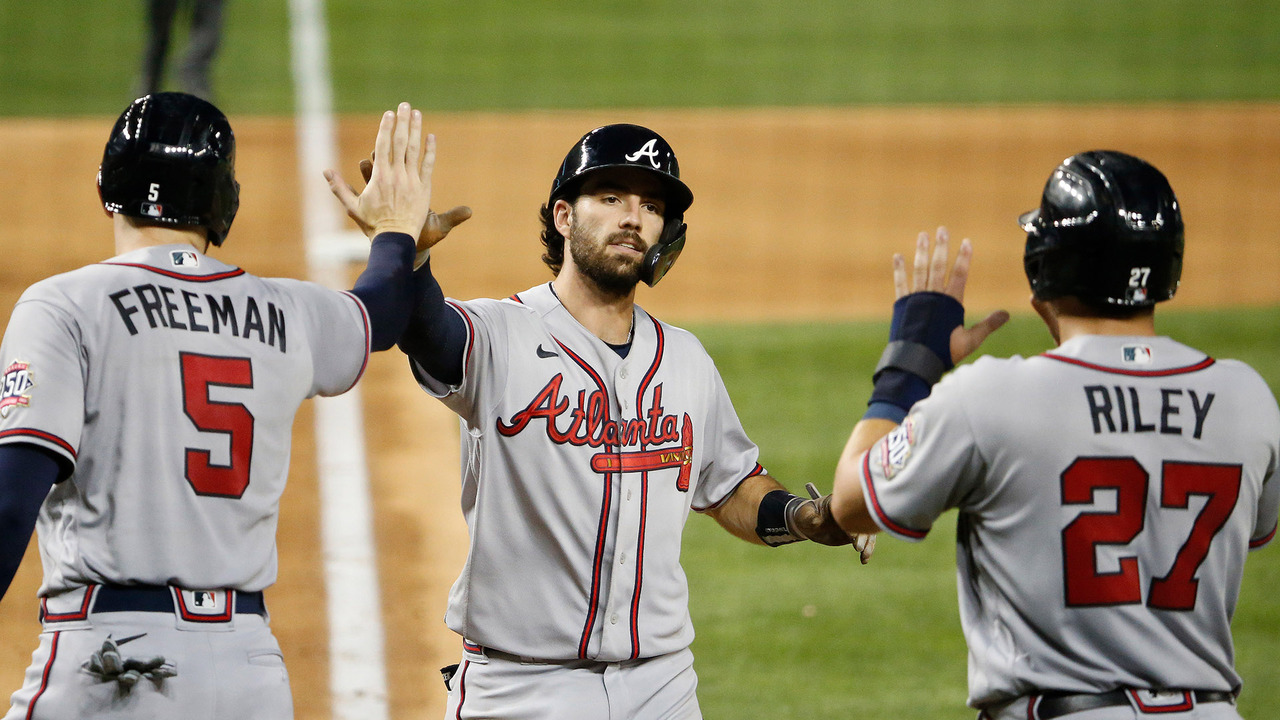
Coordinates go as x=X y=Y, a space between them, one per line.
x=895 y=449
x=15 y=387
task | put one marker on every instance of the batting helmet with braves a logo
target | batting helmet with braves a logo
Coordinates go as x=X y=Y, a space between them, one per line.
x=623 y=145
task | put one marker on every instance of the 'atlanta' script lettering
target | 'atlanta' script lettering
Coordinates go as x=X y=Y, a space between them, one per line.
x=588 y=421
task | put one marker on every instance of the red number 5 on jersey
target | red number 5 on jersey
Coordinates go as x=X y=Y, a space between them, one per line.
x=233 y=419
x=1085 y=586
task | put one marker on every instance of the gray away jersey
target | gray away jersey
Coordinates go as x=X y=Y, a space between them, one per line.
x=579 y=469
x=1108 y=493
x=170 y=380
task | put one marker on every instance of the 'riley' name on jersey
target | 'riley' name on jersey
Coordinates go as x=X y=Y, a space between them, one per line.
x=161 y=306
x=1118 y=408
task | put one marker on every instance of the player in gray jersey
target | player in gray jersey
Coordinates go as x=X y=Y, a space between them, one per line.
x=1108 y=490
x=590 y=430
x=146 y=413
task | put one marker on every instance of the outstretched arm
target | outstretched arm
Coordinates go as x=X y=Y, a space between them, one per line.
x=763 y=512
x=927 y=338
x=394 y=209
x=437 y=336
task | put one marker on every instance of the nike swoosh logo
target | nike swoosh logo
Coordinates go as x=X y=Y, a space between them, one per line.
x=122 y=641
x=546 y=353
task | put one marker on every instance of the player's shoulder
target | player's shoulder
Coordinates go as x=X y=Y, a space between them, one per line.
x=1248 y=383
x=63 y=288
x=674 y=336
x=990 y=370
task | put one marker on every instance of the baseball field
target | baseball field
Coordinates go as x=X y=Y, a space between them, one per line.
x=817 y=141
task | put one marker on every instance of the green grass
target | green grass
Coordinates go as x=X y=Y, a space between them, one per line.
x=61 y=57
x=805 y=631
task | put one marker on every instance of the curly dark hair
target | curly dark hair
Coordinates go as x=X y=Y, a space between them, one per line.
x=552 y=240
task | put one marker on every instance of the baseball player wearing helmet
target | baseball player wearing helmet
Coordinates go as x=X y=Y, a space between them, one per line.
x=1108 y=490
x=590 y=430
x=145 y=421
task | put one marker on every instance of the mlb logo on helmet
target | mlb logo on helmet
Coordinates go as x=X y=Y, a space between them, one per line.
x=152 y=209
x=14 y=386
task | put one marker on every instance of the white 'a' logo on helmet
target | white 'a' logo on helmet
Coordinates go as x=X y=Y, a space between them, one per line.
x=649 y=150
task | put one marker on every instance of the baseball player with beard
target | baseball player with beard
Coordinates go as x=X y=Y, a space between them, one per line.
x=590 y=430
x=146 y=413
x=1108 y=490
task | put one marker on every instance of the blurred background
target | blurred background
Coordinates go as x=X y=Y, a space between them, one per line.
x=818 y=138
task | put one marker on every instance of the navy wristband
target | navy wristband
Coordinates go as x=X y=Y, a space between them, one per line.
x=918 y=353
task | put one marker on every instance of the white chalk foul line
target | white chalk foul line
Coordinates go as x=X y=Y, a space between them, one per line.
x=357 y=679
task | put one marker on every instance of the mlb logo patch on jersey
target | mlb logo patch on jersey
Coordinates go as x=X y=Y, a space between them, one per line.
x=896 y=447
x=1136 y=355
x=184 y=258
x=15 y=386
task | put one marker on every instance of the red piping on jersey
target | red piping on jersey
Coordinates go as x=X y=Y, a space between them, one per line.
x=757 y=470
x=1255 y=544
x=471 y=335
x=875 y=504
x=44 y=677
x=1134 y=373
x=81 y=614
x=644 y=494
x=16 y=432
x=368 y=338
x=462 y=687
x=516 y=297
x=237 y=272
x=604 y=511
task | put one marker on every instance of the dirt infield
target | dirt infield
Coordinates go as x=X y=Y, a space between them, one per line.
x=795 y=217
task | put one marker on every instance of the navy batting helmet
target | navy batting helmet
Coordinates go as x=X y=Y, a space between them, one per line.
x=622 y=145
x=171 y=160
x=1108 y=231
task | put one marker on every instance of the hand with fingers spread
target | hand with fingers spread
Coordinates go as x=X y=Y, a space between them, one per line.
x=397 y=197
x=437 y=226
x=929 y=274
x=927 y=336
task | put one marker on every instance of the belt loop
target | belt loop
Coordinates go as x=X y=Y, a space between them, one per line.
x=474 y=651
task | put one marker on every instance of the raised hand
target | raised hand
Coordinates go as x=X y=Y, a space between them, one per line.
x=397 y=197
x=929 y=273
x=437 y=225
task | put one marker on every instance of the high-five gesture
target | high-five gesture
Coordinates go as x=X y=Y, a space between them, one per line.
x=929 y=273
x=397 y=197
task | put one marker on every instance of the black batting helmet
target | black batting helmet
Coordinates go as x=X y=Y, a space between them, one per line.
x=171 y=160
x=623 y=145
x=1108 y=231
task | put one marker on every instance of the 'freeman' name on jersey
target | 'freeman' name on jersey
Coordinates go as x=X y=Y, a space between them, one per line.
x=176 y=309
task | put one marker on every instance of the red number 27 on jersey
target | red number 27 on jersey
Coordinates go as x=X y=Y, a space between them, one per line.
x=1085 y=586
